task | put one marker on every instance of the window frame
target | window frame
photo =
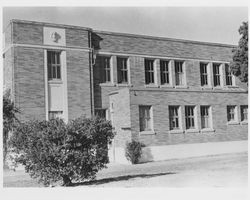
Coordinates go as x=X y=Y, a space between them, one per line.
x=165 y=72
x=189 y=117
x=204 y=75
x=231 y=113
x=174 y=119
x=148 y=125
x=122 y=70
x=149 y=68
x=180 y=81
x=217 y=82
x=105 y=72
x=207 y=116
x=243 y=113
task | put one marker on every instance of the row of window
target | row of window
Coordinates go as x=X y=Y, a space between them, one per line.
x=146 y=123
x=206 y=74
x=54 y=71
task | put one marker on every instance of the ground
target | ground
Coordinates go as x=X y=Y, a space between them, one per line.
x=228 y=170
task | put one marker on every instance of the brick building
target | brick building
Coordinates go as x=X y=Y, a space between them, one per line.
x=157 y=90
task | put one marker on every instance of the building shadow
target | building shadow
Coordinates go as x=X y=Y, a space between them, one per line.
x=120 y=178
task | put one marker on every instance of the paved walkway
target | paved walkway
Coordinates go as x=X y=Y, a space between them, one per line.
x=227 y=170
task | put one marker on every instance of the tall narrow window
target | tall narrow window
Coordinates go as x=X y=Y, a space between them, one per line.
x=179 y=75
x=104 y=69
x=174 y=118
x=204 y=74
x=164 y=72
x=54 y=65
x=122 y=70
x=145 y=118
x=231 y=113
x=244 y=113
x=205 y=117
x=216 y=73
x=149 y=71
x=189 y=116
x=229 y=76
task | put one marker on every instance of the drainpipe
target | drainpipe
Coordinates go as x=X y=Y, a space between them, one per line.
x=91 y=56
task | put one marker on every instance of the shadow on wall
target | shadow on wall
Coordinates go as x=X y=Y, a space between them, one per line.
x=146 y=155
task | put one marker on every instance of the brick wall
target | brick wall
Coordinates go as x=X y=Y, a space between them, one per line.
x=78 y=78
x=32 y=33
x=27 y=33
x=160 y=100
x=162 y=47
x=8 y=70
x=76 y=37
x=29 y=82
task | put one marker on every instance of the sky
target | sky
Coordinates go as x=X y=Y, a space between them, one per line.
x=208 y=24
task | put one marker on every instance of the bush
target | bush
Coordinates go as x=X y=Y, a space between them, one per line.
x=133 y=151
x=9 y=121
x=54 y=151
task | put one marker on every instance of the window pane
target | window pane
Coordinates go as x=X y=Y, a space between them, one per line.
x=122 y=70
x=205 y=118
x=145 y=118
x=178 y=72
x=58 y=72
x=173 y=117
x=54 y=66
x=231 y=110
x=189 y=115
x=149 y=71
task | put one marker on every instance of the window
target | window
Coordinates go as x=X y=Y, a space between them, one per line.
x=122 y=70
x=145 y=118
x=205 y=117
x=55 y=114
x=203 y=74
x=174 y=118
x=54 y=65
x=229 y=76
x=105 y=69
x=179 y=75
x=231 y=113
x=189 y=116
x=217 y=75
x=244 y=113
x=149 y=71
x=164 y=72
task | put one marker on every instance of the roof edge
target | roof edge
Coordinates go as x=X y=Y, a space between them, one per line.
x=165 y=38
x=122 y=34
x=49 y=24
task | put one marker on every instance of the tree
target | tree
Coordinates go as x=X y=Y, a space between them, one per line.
x=239 y=65
x=9 y=120
x=55 y=151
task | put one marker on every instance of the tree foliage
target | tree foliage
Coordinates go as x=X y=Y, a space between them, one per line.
x=9 y=119
x=55 y=151
x=239 y=65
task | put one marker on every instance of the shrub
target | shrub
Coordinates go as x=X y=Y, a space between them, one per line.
x=9 y=120
x=133 y=151
x=54 y=151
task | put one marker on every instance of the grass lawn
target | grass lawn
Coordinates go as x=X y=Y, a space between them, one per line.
x=228 y=170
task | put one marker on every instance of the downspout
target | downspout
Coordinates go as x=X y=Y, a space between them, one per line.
x=91 y=73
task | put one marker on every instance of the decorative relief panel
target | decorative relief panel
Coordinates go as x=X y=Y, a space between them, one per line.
x=54 y=36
